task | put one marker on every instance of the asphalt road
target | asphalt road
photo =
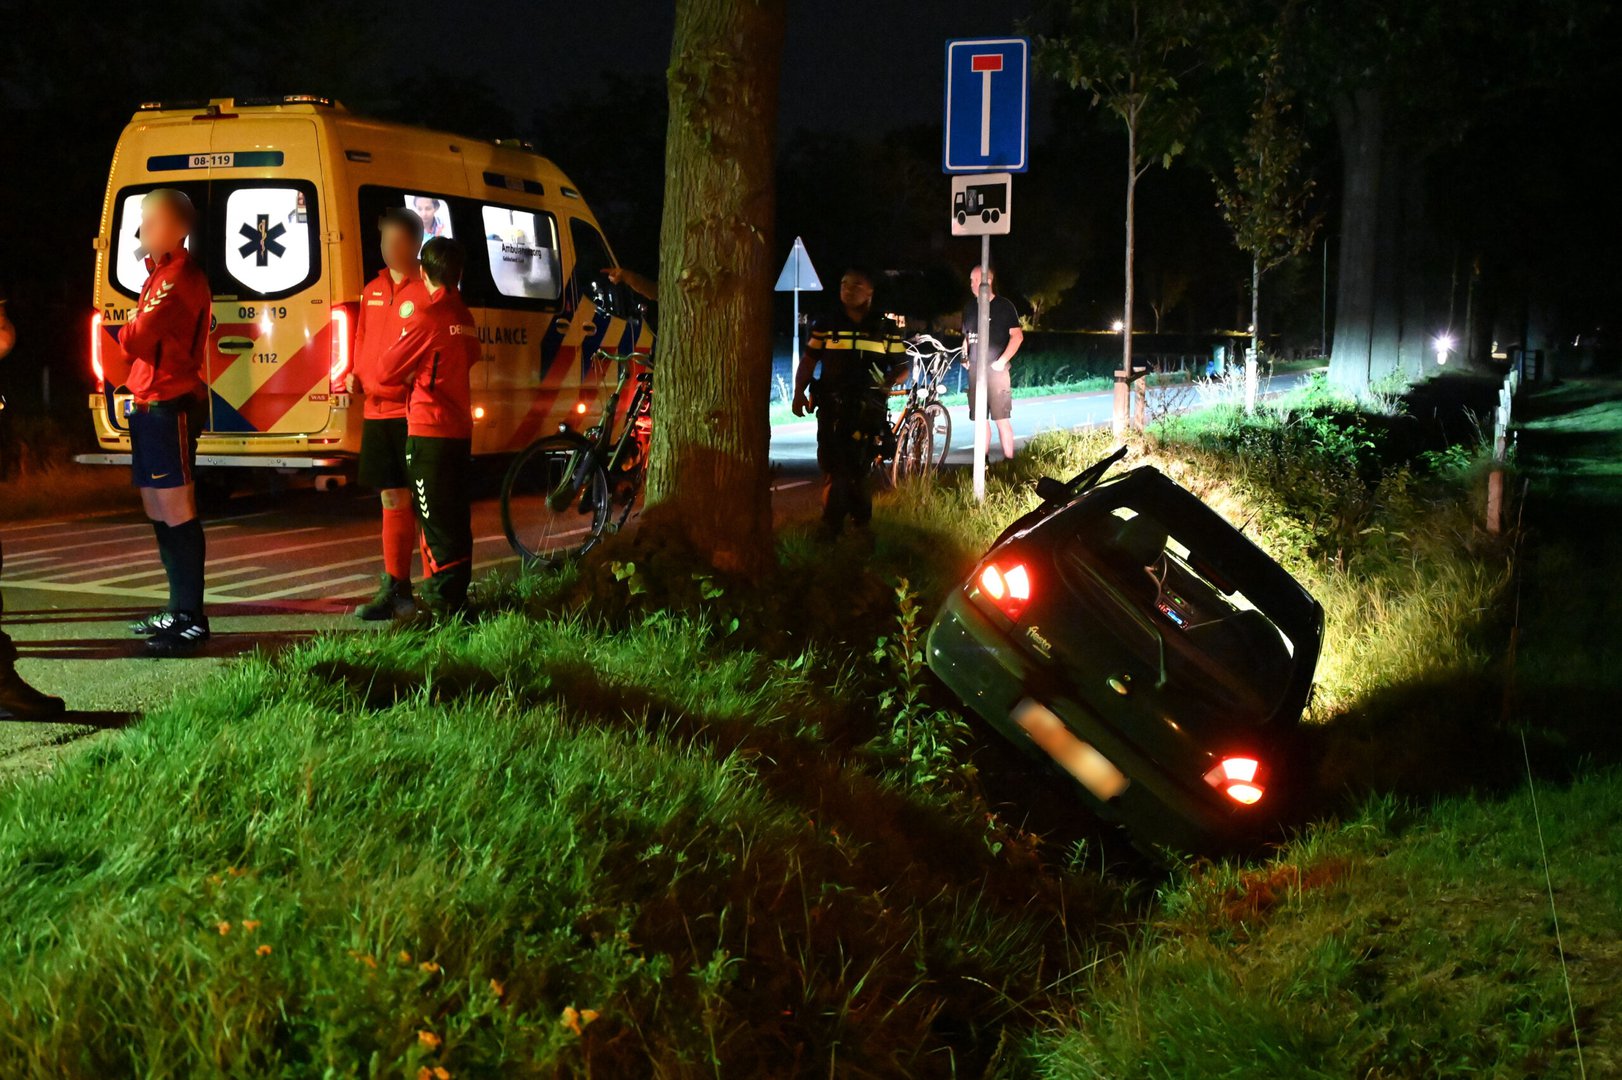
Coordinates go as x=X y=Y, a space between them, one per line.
x=281 y=565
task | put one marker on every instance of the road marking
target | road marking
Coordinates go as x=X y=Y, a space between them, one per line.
x=307 y=586
x=80 y=545
x=792 y=484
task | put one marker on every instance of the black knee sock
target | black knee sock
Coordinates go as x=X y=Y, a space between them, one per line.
x=186 y=576
x=166 y=553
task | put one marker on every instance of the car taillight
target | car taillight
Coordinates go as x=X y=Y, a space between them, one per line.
x=1007 y=587
x=95 y=352
x=343 y=320
x=1239 y=778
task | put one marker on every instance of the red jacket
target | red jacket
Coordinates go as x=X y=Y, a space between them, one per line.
x=432 y=360
x=384 y=309
x=167 y=336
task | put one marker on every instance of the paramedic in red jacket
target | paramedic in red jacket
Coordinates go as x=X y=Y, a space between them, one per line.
x=393 y=297
x=432 y=360
x=165 y=341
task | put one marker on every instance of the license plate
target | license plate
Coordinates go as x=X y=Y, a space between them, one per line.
x=1078 y=758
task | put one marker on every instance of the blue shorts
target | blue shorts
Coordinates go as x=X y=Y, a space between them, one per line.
x=163 y=442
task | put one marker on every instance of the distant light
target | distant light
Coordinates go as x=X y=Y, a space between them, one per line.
x=1117 y=326
x=478 y=412
x=1444 y=345
x=580 y=407
x=1251 y=329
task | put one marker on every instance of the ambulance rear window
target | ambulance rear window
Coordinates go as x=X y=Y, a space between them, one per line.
x=523 y=249
x=268 y=247
x=128 y=256
x=253 y=238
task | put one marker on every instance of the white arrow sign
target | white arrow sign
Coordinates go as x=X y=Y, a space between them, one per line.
x=798 y=273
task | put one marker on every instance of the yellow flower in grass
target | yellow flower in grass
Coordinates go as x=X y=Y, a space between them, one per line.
x=429 y=1039
x=223 y=927
x=405 y=957
x=428 y=966
x=438 y=1072
x=263 y=950
x=250 y=925
x=497 y=988
x=577 y=1019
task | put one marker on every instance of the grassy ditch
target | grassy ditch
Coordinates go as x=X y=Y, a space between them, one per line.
x=640 y=820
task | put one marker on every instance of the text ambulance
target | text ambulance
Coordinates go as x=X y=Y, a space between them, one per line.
x=288 y=192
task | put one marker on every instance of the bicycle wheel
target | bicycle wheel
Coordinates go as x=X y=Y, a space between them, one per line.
x=940 y=423
x=914 y=449
x=554 y=500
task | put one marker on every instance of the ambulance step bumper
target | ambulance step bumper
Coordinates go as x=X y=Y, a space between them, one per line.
x=230 y=461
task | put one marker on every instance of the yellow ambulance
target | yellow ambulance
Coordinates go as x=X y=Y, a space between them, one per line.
x=288 y=192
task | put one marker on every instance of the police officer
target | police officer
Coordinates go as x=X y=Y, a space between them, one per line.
x=18 y=700
x=392 y=298
x=857 y=354
x=431 y=360
x=165 y=341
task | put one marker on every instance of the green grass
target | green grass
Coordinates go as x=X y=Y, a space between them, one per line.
x=1411 y=940
x=714 y=829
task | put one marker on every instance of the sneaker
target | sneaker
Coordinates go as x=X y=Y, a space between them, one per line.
x=393 y=601
x=152 y=624
x=20 y=701
x=183 y=636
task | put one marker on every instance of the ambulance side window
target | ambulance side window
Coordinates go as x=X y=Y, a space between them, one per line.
x=521 y=246
x=450 y=219
x=591 y=255
x=269 y=237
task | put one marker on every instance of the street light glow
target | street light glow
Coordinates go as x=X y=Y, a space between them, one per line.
x=1444 y=345
x=1117 y=326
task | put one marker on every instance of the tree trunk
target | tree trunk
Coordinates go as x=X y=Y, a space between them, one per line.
x=708 y=481
x=1360 y=122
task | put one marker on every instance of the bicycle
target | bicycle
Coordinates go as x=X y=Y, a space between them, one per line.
x=570 y=485
x=923 y=431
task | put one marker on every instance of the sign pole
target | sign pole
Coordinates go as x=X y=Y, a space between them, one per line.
x=794 y=357
x=982 y=434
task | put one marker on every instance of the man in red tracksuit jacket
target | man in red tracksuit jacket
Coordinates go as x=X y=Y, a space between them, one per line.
x=432 y=360
x=165 y=340
x=393 y=297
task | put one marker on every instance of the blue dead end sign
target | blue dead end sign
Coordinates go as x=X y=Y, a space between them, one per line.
x=988 y=105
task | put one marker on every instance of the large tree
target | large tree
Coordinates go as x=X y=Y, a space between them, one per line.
x=708 y=482
x=1403 y=81
x=1131 y=56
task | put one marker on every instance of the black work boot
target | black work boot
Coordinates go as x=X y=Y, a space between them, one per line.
x=393 y=601
x=20 y=701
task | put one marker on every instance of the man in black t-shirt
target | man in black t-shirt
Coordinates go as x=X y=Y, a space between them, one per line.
x=1004 y=338
x=18 y=700
x=860 y=354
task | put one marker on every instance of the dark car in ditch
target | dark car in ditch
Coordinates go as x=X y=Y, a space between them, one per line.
x=1128 y=635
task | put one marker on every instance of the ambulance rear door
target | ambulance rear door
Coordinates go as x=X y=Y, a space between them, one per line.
x=271 y=342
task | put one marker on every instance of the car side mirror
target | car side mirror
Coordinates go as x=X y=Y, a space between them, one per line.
x=1050 y=490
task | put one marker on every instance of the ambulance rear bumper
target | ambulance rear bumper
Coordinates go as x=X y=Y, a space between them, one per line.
x=231 y=461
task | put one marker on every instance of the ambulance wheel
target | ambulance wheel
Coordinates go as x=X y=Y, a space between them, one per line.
x=554 y=500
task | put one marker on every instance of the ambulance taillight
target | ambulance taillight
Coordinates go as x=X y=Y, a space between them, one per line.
x=95 y=352
x=343 y=337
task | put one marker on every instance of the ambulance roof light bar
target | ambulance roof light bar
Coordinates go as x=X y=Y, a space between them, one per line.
x=286 y=99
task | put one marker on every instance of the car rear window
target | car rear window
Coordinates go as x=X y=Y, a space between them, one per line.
x=1152 y=589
